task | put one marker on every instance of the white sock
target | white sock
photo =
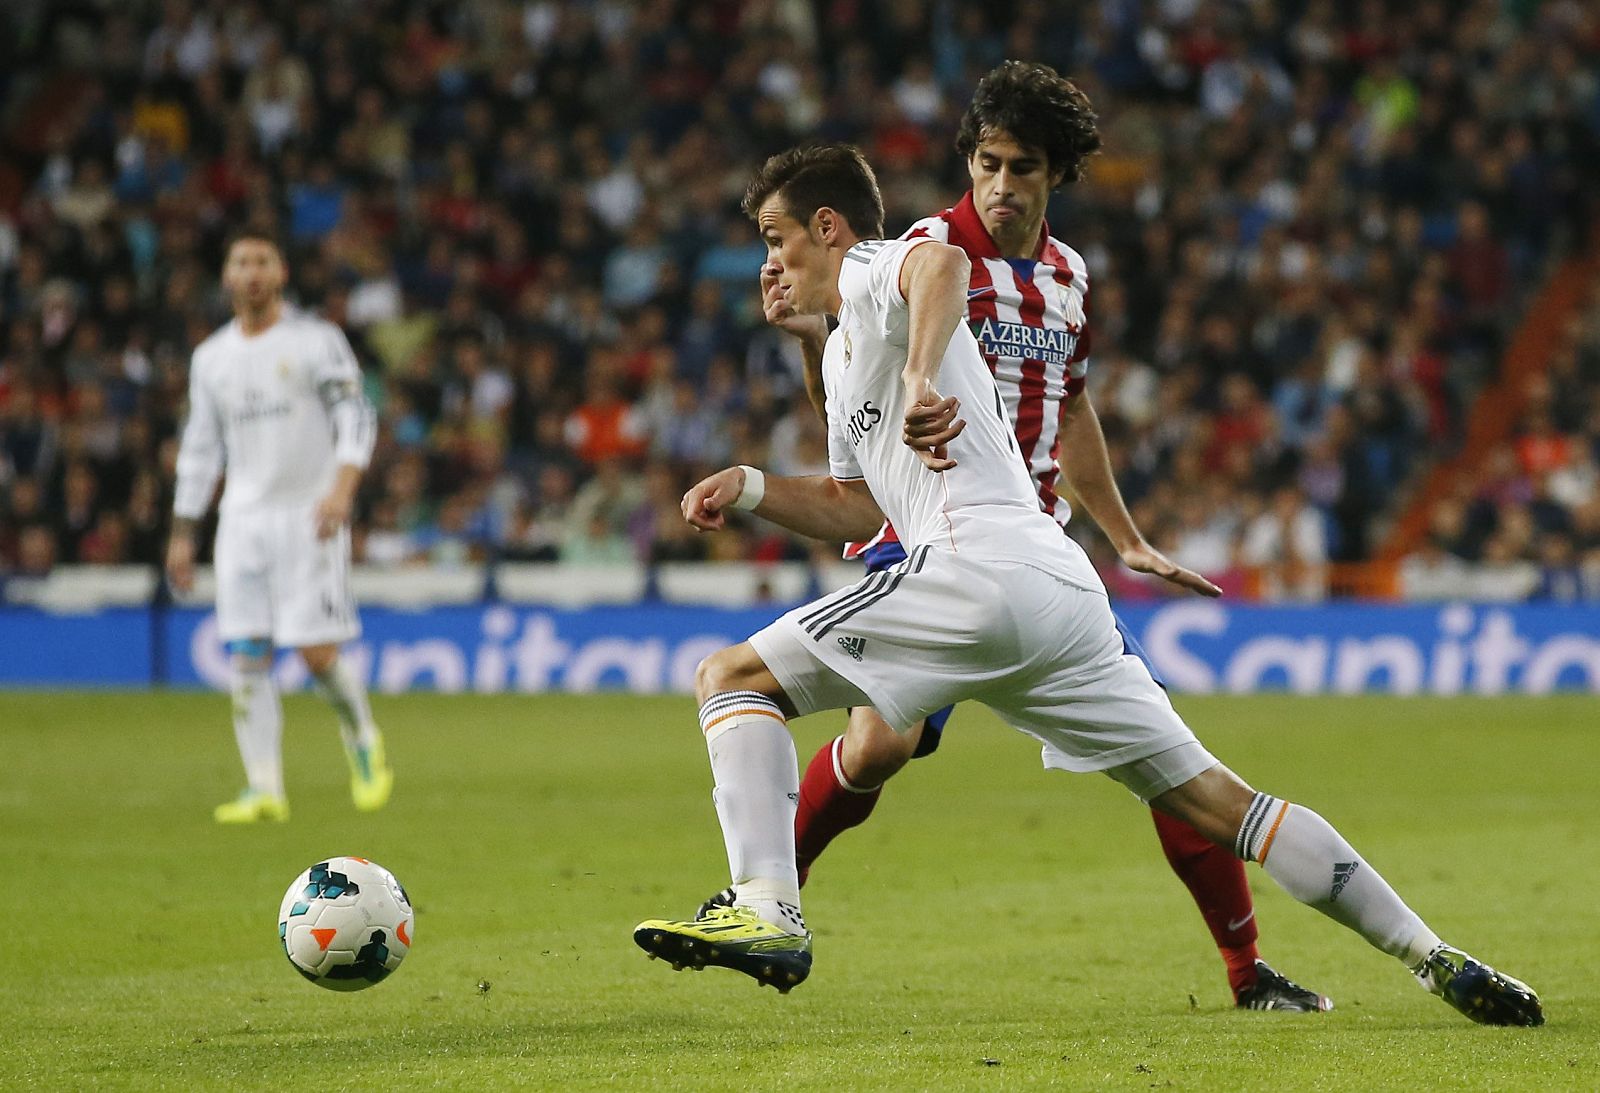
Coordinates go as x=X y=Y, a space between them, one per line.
x=258 y=727
x=342 y=689
x=757 y=792
x=1314 y=864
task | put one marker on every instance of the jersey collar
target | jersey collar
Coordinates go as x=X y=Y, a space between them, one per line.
x=968 y=233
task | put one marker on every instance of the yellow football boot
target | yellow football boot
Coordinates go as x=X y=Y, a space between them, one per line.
x=371 y=780
x=252 y=807
x=730 y=937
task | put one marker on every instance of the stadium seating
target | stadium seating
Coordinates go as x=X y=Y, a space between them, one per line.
x=1311 y=240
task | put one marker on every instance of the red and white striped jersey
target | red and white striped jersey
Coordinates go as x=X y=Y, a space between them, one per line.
x=1030 y=316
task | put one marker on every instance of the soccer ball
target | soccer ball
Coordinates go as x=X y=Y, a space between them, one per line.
x=345 y=924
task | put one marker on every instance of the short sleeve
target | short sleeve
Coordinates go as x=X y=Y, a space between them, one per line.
x=842 y=463
x=869 y=280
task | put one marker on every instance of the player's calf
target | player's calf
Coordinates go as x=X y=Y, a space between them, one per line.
x=371 y=779
x=1313 y=863
x=757 y=788
x=257 y=729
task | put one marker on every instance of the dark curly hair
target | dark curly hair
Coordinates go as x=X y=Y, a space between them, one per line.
x=1038 y=107
x=817 y=175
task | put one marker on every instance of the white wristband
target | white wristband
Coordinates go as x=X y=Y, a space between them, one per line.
x=755 y=488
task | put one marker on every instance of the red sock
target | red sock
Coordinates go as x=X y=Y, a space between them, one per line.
x=1216 y=880
x=828 y=806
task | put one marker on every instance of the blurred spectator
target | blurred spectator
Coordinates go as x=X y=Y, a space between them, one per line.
x=538 y=525
x=604 y=426
x=36 y=551
x=448 y=541
x=1433 y=573
x=1289 y=543
x=383 y=541
x=1560 y=580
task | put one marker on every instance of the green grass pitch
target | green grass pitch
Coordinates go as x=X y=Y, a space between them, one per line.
x=994 y=926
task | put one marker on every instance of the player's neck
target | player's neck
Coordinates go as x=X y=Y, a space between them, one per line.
x=1019 y=240
x=255 y=320
x=835 y=299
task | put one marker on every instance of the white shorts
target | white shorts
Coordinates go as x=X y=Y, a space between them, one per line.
x=1043 y=654
x=276 y=579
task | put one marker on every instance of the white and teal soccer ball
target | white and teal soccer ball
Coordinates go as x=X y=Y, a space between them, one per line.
x=346 y=924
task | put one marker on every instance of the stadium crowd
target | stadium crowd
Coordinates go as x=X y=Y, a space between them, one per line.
x=1311 y=232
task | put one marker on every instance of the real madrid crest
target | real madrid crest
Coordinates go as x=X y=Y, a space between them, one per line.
x=847 y=348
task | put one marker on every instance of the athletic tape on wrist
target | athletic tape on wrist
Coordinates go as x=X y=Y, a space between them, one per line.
x=755 y=488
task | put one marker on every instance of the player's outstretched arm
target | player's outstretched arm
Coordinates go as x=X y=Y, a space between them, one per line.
x=1087 y=466
x=816 y=506
x=933 y=280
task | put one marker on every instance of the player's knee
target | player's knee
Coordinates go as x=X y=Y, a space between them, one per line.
x=320 y=659
x=724 y=670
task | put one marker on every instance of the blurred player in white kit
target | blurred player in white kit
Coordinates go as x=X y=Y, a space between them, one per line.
x=275 y=397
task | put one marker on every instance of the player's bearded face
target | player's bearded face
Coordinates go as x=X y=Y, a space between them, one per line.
x=1011 y=184
x=799 y=255
x=254 y=274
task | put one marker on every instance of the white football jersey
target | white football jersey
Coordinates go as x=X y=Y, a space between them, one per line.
x=282 y=410
x=985 y=506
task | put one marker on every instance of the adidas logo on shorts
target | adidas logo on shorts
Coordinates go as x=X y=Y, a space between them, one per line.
x=854 y=646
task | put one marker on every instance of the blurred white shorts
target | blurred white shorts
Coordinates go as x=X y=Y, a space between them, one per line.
x=276 y=579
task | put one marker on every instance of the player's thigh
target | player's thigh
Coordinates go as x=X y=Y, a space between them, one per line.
x=239 y=561
x=1093 y=704
x=907 y=641
x=313 y=603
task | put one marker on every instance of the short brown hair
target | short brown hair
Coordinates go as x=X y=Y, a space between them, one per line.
x=814 y=176
x=253 y=235
x=1037 y=107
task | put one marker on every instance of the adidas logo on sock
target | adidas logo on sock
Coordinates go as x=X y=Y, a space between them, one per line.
x=853 y=646
x=1342 y=872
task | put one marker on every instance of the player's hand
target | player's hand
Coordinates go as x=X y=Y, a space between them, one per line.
x=775 y=305
x=930 y=425
x=332 y=513
x=704 y=504
x=180 y=563
x=1145 y=558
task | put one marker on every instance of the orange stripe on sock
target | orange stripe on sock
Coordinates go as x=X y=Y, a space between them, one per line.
x=741 y=713
x=1273 y=833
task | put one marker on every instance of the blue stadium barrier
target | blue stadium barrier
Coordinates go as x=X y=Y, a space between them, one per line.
x=1200 y=646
